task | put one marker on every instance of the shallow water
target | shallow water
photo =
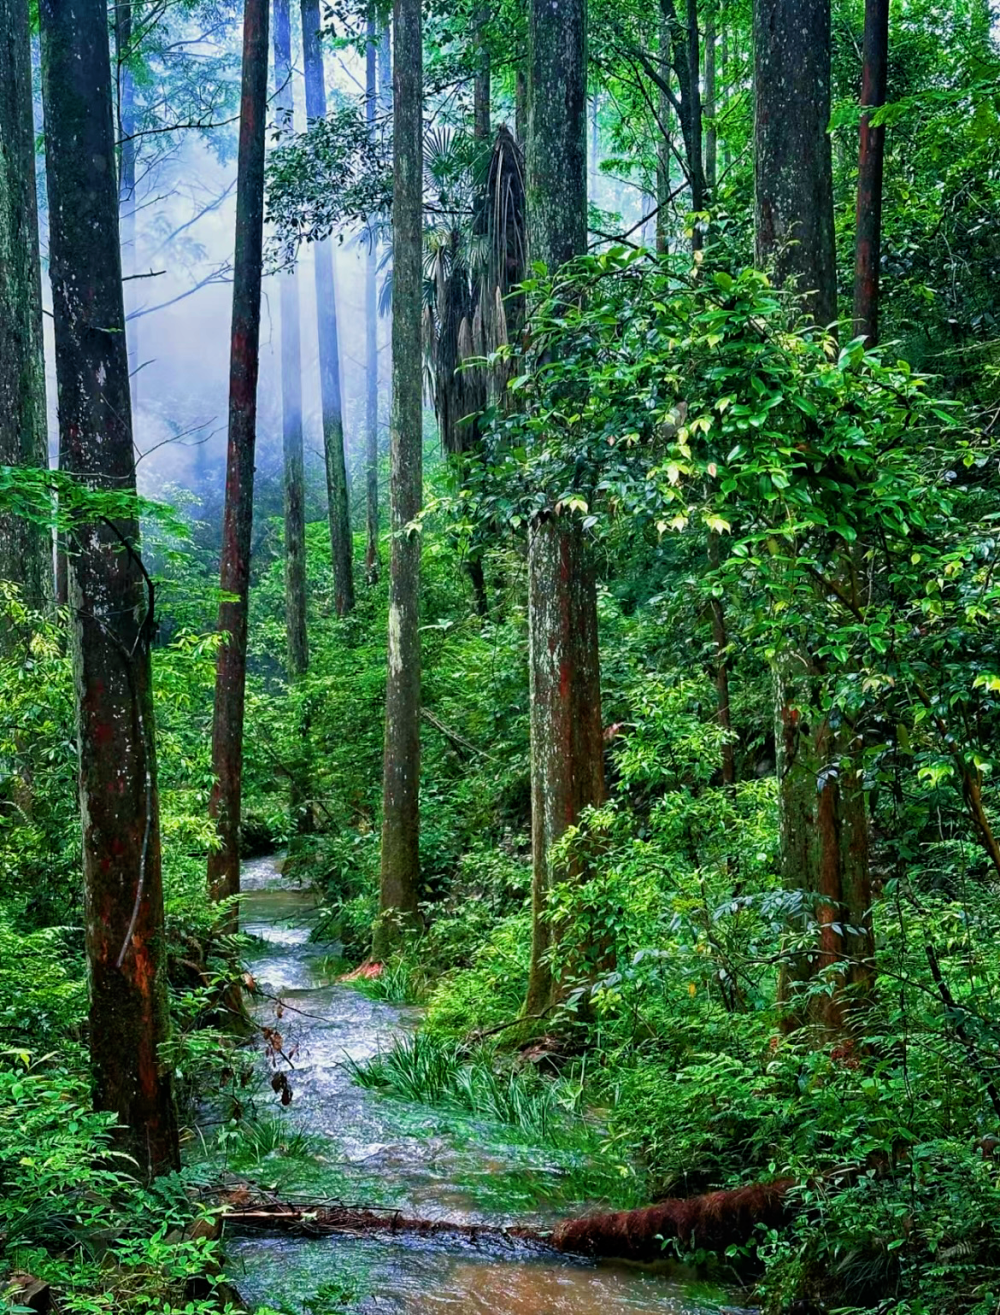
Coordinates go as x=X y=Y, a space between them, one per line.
x=364 y=1148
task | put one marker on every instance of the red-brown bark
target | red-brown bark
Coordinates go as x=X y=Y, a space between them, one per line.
x=230 y=681
x=110 y=596
x=871 y=159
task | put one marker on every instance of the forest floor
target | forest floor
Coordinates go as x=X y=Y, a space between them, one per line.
x=338 y=1141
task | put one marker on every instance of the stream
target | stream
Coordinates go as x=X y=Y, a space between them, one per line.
x=339 y=1141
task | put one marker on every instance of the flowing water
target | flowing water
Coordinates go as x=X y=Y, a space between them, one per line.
x=338 y=1141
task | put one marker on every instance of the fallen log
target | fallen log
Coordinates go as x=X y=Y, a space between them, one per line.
x=711 y=1222
x=360 y=1222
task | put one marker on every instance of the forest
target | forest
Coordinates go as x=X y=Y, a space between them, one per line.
x=499 y=661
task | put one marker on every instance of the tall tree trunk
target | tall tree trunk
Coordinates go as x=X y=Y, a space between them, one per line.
x=110 y=595
x=331 y=393
x=125 y=100
x=25 y=553
x=237 y=523
x=567 y=770
x=521 y=107
x=727 y=157
x=400 y=861
x=371 y=332
x=664 y=146
x=481 y=85
x=793 y=177
x=595 y=147
x=291 y=385
x=711 y=136
x=821 y=804
x=868 y=242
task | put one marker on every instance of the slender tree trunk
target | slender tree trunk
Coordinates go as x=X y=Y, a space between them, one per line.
x=481 y=85
x=371 y=333
x=237 y=524
x=25 y=553
x=291 y=385
x=793 y=177
x=727 y=158
x=711 y=136
x=400 y=862
x=868 y=248
x=595 y=147
x=664 y=148
x=110 y=596
x=721 y=641
x=125 y=100
x=821 y=803
x=331 y=393
x=521 y=107
x=567 y=770
x=385 y=94
x=696 y=144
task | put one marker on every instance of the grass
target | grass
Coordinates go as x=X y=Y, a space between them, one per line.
x=435 y=1071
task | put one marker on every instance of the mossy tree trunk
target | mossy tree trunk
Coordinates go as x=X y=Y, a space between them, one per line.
x=566 y=736
x=297 y=639
x=237 y=525
x=822 y=817
x=110 y=596
x=25 y=551
x=331 y=391
x=400 y=857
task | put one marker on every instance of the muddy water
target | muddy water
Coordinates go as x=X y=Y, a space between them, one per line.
x=338 y=1141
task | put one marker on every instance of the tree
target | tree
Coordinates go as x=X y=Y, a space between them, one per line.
x=371 y=329
x=567 y=770
x=400 y=857
x=871 y=157
x=25 y=553
x=823 y=824
x=111 y=597
x=291 y=387
x=331 y=393
x=244 y=360
x=793 y=177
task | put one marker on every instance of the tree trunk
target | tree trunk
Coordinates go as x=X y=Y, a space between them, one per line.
x=237 y=524
x=125 y=100
x=331 y=393
x=481 y=85
x=371 y=334
x=868 y=248
x=400 y=862
x=793 y=179
x=664 y=147
x=823 y=824
x=721 y=641
x=711 y=136
x=567 y=769
x=110 y=595
x=25 y=553
x=595 y=147
x=291 y=385
x=521 y=107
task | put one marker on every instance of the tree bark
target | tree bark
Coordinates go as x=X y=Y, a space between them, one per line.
x=868 y=241
x=371 y=333
x=664 y=146
x=793 y=178
x=566 y=740
x=110 y=595
x=331 y=392
x=291 y=386
x=25 y=551
x=237 y=524
x=400 y=858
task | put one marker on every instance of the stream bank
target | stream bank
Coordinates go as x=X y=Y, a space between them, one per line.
x=356 y=1146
